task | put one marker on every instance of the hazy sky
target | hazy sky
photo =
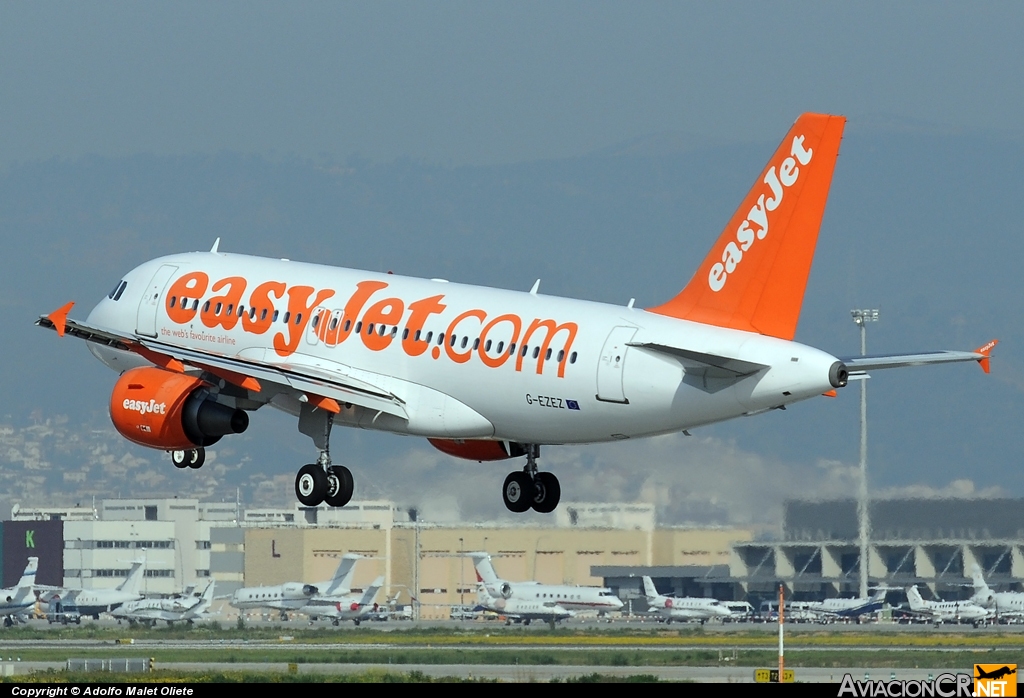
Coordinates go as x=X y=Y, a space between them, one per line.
x=474 y=82
x=485 y=83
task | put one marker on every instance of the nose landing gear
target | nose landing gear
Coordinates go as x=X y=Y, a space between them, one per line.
x=531 y=489
x=192 y=458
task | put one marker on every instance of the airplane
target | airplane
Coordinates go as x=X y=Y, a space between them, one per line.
x=348 y=607
x=292 y=596
x=521 y=609
x=93 y=602
x=1006 y=604
x=683 y=608
x=188 y=608
x=202 y=339
x=19 y=599
x=851 y=608
x=947 y=611
x=568 y=597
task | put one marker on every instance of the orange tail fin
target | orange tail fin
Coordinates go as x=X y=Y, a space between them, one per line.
x=755 y=275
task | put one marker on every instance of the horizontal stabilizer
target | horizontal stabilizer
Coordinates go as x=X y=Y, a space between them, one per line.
x=697 y=359
x=859 y=365
x=707 y=372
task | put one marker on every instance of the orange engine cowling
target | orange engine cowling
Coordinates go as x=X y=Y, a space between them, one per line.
x=170 y=411
x=479 y=449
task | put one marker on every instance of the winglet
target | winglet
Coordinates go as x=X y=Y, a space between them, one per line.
x=59 y=318
x=986 y=353
x=216 y=246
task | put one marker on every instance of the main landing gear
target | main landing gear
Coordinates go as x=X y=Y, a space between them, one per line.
x=192 y=458
x=529 y=488
x=321 y=481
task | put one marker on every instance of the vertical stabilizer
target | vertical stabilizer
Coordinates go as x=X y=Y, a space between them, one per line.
x=649 y=591
x=371 y=591
x=482 y=561
x=914 y=597
x=755 y=275
x=133 y=582
x=342 y=581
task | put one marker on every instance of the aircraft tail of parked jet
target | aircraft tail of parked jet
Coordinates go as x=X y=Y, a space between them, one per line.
x=341 y=583
x=755 y=275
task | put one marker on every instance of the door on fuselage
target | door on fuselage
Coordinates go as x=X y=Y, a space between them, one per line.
x=145 y=321
x=609 y=367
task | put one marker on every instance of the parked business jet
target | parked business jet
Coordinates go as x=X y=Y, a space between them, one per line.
x=20 y=598
x=568 y=597
x=947 y=611
x=851 y=608
x=521 y=609
x=292 y=596
x=93 y=602
x=1005 y=604
x=683 y=608
x=353 y=607
x=200 y=340
x=186 y=608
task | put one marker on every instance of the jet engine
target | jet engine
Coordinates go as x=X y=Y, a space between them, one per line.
x=479 y=450
x=170 y=411
x=506 y=590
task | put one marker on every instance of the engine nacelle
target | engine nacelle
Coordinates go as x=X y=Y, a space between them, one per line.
x=170 y=411
x=506 y=590
x=478 y=449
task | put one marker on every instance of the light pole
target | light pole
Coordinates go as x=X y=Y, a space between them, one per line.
x=462 y=590
x=861 y=318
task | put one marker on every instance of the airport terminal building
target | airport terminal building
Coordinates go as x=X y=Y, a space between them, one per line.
x=932 y=543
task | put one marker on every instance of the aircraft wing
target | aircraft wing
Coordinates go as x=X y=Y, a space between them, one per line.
x=860 y=365
x=324 y=383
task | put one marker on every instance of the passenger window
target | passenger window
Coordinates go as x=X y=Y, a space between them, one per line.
x=382 y=330
x=572 y=358
x=405 y=333
x=287 y=317
x=298 y=318
x=452 y=341
x=512 y=349
x=231 y=308
x=359 y=327
x=526 y=348
x=440 y=339
x=465 y=341
x=173 y=300
x=561 y=355
x=547 y=355
x=206 y=307
x=316 y=321
x=276 y=313
x=487 y=345
x=501 y=347
x=348 y=325
x=195 y=305
x=394 y=330
x=476 y=344
x=430 y=336
x=536 y=352
x=220 y=306
x=369 y=329
x=334 y=323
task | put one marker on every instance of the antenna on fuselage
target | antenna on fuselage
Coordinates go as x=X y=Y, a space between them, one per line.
x=216 y=244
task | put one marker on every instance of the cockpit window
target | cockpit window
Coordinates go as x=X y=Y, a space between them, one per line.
x=118 y=290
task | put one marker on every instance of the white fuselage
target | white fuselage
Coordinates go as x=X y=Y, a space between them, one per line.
x=688 y=608
x=582 y=379
x=571 y=598
x=284 y=597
